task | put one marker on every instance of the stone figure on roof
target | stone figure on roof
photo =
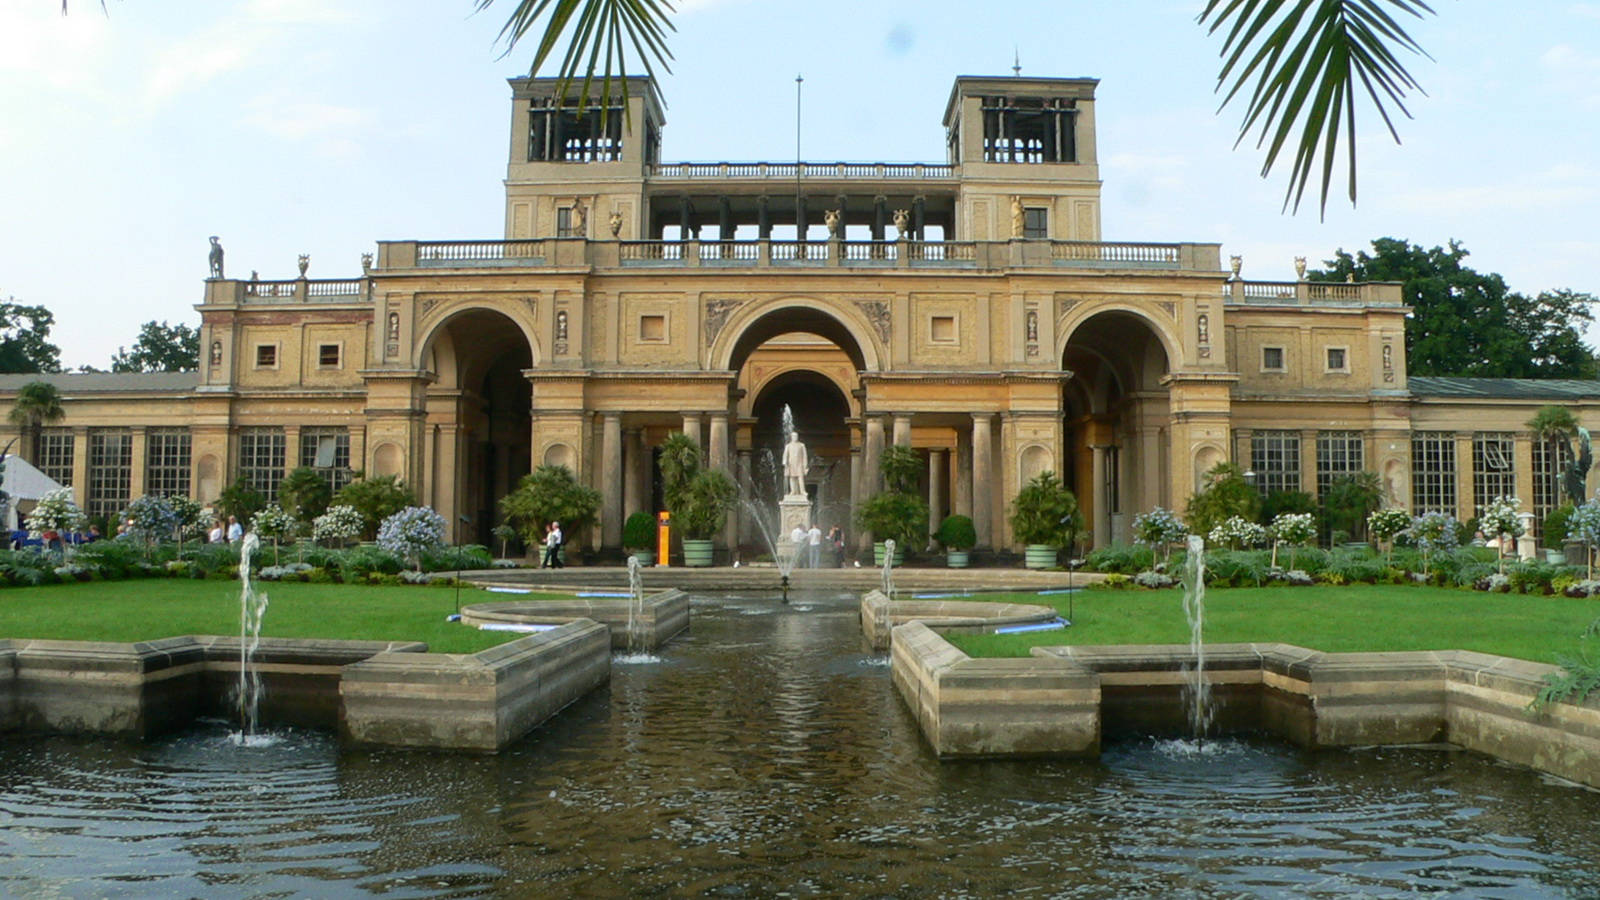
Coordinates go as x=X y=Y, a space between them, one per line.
x=216 y=257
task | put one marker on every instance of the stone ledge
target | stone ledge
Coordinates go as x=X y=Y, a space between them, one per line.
x=666 y=613
x=1056 y=701
x=880 y=616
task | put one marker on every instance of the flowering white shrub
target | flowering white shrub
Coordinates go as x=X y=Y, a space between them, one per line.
x=1431 y=533
x=56 y=511
x=1499 y=518
x=411 y=532
x=1237 y=532
x=1385 y=524
x=339 y=524
x=272 y=523
x=1294 y=529
x=1159 y=529
x=1154 y=579
x=187 y=516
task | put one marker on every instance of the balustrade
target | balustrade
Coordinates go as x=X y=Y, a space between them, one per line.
x=847 y=170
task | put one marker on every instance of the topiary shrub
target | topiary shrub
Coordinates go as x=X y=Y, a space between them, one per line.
x=957 y=533
x=639 y=532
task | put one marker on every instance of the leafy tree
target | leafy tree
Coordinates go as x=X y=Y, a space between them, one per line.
x=1557 y=426
x=1045 y=512
x=679 y=459
x=241 y=500
x=549 y=494
x=1350 y=500
x=1465 y=323
x=25 y=339
x=1302 y=63
x=160 y=348
x=37 y=403
x=704 y=503
x=901 y=467
x=1223 y=494
x=305 y=494
x=376 y=499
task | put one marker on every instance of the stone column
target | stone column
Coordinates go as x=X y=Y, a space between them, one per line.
x=1466 y=505
x=80 y=465
x=983 y=477
x=902 y=429
x=938 y=468
x=691 y=427
x=1099 y=523
x=1308 y=462
x=717 y=452
x=611 y=480
x=633 y=487
x=137 y=463
x=963 y=481
x=871 y=479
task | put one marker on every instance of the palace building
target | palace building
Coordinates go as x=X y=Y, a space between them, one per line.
x=969 y=309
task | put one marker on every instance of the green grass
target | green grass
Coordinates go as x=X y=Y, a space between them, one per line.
x=1333 y=619
x=157 y=608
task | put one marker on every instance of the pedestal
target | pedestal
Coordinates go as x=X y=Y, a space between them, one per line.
x=794 y=511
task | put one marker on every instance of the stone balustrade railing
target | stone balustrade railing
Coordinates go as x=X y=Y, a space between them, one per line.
x=1313 y=293
x=297 y=290
x=790 y=171
x=904 y=253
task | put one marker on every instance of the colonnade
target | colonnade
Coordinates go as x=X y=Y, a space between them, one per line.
x=624 y=471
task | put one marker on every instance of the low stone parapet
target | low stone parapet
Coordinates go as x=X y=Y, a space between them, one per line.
x=1053 y=702
x=663 y=615
x=479 y=702
x=880 y=615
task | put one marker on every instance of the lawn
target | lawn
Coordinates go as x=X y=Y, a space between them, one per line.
x=1335 y=619
x=157 y=608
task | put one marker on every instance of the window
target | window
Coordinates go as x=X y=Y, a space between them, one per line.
x=55 y=454
x=1036 y=223
x=1337 y=361
x=558 y=133
x=328 y=355
x=1272 y=359
x=564 y=222
x=261 y=460
x=1494 y=472
x=1550 y=458
x=166 y=462
x=1338 y=453
x=266 y=356
x=942 y=329
x=110 y=472
x=327 y=449
x=1433 y=472
x=652 y=328
x=1028 y=130
x=1275 y=458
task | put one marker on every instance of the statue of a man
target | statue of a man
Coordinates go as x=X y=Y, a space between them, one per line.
x=216 y=257
x=795 y=463
x=1578 y=471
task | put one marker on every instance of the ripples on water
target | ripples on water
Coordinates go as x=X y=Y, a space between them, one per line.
x=764 y=752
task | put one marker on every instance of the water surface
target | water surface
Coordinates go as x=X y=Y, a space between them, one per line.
x=765 y=753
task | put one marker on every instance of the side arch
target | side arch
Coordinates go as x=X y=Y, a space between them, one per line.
x=436 y=324
x=1162 y=327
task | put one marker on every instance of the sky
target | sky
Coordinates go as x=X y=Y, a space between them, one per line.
x=322 y=126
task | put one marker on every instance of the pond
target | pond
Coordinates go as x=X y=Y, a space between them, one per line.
x=763 y=753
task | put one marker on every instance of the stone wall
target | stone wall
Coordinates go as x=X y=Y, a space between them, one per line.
x=880 y=615
x=1055 y=701
x=664 y=614
x=479 y=702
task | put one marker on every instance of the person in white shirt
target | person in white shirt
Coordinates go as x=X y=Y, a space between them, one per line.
x=215 y=535
x=235 y=530
x=797 y=537
x=814 y=543
x=552 y=546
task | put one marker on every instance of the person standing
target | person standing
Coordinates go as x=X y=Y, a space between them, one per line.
x=814 y=544
x=235 y=530
x=797 y=537
x=552 y=546
x=836 y=545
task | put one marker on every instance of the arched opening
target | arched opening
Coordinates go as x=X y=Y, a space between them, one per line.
x=809 y=361
x=1116 y=414
x=478 y=358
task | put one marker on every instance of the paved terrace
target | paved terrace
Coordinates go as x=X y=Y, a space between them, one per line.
x=765 y=578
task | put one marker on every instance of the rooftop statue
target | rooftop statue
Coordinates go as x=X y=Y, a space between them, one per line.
x=216 y=257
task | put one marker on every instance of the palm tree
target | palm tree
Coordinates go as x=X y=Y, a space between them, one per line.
x=38 y=403
x=1553 y=424
x=1302 y=62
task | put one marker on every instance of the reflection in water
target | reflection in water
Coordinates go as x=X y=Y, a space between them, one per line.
x=765 y=752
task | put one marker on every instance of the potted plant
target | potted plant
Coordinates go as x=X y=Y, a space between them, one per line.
x=958 y=536
x=1044 y=517
x=701 y=510
x=897 y=513
x=639 y=537
x=549 y=494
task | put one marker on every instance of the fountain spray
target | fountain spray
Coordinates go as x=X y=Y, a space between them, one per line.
x=252 y=609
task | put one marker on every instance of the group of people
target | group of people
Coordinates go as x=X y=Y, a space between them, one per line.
x=813 y=549
x=225 y=532
x=553 y=539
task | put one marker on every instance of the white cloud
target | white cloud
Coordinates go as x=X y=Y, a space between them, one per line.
x=38 y=43
x=332 y=130
x=1586 y=10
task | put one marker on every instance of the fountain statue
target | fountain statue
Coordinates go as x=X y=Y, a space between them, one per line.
x=888 y=569
x=252 y=609
x=794 y=510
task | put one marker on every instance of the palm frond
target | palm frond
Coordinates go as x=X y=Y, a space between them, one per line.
x=598 y=34
x=1303 y=64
